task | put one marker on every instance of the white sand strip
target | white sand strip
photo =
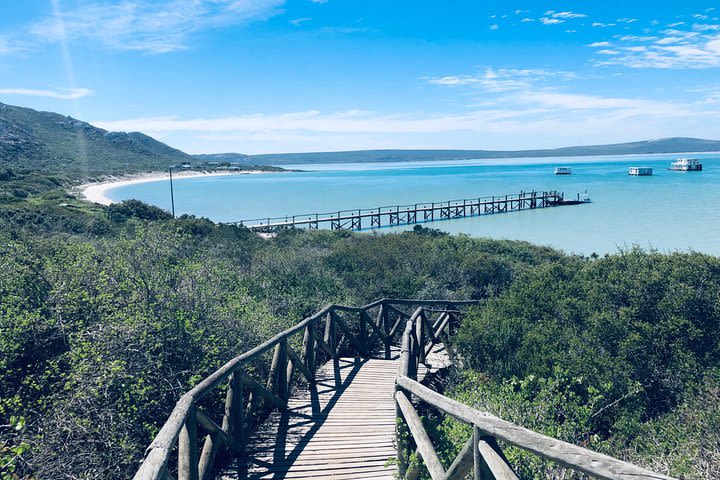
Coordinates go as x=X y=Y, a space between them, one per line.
x=97 y=192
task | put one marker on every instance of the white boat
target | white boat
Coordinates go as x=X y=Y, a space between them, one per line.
x=686 y=165
x=640 y=171
x=563 y=170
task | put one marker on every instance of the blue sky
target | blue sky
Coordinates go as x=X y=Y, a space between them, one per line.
x=258 y=76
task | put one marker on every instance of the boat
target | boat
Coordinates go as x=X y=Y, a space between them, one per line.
x=563 y=170
x=640 y=171
x=686 y=165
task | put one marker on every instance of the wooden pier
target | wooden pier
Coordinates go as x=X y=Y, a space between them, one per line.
x=411 y=214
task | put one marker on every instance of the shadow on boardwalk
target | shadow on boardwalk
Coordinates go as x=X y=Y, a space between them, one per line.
x=340 y=428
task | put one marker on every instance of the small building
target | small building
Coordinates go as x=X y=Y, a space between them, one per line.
x=563 y=170
x=186 y=166
x=640 y=171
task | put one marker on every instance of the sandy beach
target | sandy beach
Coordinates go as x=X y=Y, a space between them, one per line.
x=97 y=192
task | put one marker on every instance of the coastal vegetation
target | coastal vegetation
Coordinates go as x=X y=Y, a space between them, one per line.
x=108 y=315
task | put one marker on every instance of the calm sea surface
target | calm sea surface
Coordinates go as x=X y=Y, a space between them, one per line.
x=668 y=211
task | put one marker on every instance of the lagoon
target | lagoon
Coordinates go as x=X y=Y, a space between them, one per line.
x=667 y=211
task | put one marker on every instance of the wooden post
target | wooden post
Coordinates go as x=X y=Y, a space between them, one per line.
x=332 y=343
x=481 y=467
x=188 y=448
x=363 y=332
x=401 y=427
x=420 y=334
x=411 y=352
x=463 y=462
x=401 y=432
x=386 y=329
x=235 y=408
x=282 y=382
x=308 y=355
x=274 y=366
x=289 y=372
x=477 y=459
x=330 y=333
x=232 y=423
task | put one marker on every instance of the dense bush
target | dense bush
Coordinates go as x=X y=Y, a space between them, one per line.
x=107 y=317
x=136 y=209
x=101 y=332
x=600 y=353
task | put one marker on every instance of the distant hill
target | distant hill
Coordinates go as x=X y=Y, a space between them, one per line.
x=224 y=157
x=664 y=145
x=54 y=143
x=49 y=142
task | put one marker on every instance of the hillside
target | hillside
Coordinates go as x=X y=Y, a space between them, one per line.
x=664 y=145
x=49 y=142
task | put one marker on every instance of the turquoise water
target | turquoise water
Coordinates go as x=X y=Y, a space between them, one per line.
x=667 y=211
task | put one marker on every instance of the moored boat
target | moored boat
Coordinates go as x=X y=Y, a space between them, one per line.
x=640 y=171
x=686 y=165
x=563 y=170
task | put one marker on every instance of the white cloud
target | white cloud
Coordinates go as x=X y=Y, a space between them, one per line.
x=704 y=27
x=568 y=15
x=299 y=21
x=537 y=116
x=600 y=44
x=151 y=26
x=602 y=25
x=636 y=38
x=713 y=46
x=683 y=47
x=551 y=17
x=494 y=27
x=8 y=47
x=667 y=40
x=59 y=94
x=590 y=102
x=501 y=79
x=525 y=20
x=551 y=21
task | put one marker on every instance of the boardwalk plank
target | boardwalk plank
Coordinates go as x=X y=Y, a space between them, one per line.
x=343 y=431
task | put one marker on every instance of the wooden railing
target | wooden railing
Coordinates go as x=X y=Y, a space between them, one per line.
x=394 y=215
x=481 y=454
x=360 y=331
x=333 y=331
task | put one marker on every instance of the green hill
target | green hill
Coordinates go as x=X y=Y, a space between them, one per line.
x=52 y=143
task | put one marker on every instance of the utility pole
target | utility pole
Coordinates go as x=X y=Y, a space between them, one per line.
x=172 y=195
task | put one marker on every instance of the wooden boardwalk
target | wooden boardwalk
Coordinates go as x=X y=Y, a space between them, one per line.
x=343 y=426
x=411 y=214
x=342 y=429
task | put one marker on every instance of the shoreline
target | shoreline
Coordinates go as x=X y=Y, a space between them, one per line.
x=96 y=192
